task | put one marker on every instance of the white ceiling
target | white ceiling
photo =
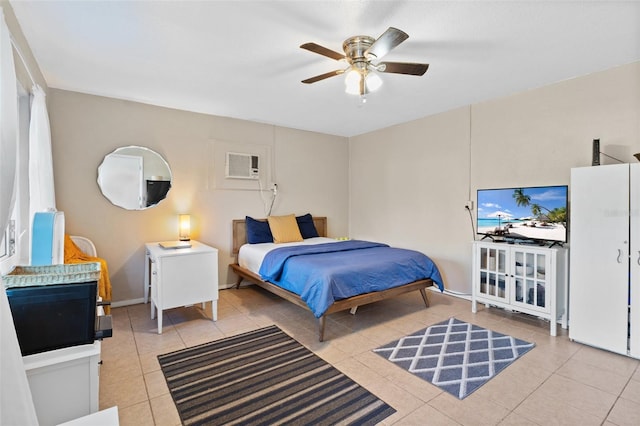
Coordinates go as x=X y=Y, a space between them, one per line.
x=242 y=59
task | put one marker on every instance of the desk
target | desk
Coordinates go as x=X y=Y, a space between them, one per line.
x=181 y=277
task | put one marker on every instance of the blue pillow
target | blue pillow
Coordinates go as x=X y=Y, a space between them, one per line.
x=307 y=227
x=258 y=231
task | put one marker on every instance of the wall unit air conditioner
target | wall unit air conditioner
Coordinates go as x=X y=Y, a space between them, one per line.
x=241 y=166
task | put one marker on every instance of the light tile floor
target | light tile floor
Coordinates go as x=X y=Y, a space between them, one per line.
x=559 y=382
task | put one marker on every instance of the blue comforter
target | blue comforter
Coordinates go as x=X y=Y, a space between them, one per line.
x=323 y=273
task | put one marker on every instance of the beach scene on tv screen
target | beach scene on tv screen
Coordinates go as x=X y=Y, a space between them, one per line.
x=538 y=213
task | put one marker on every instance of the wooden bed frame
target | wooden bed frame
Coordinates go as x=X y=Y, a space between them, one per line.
x=240 y=238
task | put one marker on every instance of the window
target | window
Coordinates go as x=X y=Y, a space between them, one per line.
x=14 y=244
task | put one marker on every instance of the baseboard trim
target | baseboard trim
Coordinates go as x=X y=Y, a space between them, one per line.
x=129 y=302
x=451 y=293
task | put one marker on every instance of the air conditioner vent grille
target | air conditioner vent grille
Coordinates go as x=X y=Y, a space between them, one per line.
x=242 y=166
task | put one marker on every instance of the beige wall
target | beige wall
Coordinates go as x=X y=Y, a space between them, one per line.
x=409 y=183
x=405 y=185
x=309 y=168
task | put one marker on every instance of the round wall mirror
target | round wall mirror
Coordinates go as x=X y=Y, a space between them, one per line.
x=134 y=177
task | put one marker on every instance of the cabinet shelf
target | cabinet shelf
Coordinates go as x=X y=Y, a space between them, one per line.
x=531 y=280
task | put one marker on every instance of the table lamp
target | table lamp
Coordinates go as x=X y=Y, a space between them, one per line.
x=184 y=226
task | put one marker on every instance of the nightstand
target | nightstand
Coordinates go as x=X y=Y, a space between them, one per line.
x=181 y=277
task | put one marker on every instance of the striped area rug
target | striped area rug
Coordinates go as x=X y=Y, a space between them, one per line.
x=264 y=377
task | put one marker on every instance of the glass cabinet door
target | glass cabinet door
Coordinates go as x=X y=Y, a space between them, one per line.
x=493 y=273
x=529 y=276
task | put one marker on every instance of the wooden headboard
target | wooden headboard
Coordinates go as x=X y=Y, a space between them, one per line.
x=240 y=231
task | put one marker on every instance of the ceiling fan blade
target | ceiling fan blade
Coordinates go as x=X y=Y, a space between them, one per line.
x=387 y=41
x=321 y=50
x=403 y=68
x=322 y=76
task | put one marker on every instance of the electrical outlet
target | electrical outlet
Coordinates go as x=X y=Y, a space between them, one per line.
x=468 y=205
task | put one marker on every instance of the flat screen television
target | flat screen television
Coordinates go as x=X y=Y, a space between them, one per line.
x=536 y=213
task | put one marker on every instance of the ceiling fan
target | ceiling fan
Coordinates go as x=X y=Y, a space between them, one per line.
x=359 y=53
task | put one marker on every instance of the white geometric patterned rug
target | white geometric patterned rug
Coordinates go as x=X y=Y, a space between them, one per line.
x=454 y=355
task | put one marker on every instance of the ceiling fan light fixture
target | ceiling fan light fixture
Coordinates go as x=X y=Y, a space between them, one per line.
x=353 y=79
x=373 y=82
x=352 y=82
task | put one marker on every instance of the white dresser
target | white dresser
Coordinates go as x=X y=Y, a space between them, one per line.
x=181 y=277
x=64 y=382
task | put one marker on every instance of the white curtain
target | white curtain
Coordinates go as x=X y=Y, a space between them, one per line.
x=41 y=190
x=16 y=404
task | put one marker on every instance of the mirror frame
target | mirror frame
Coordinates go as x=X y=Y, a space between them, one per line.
x=119 y=171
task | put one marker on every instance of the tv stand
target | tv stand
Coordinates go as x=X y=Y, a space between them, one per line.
x=517 y=277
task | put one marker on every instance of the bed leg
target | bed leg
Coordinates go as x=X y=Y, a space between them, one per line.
x=353 y=310
x=423 y=292
x=238 y=282
x=321 y=328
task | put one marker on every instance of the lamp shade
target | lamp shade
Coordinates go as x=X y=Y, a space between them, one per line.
x=370 y=82
x=373 y=82
x=352 y=82
x=184 y=227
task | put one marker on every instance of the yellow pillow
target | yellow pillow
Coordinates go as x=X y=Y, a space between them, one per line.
x=284 y=229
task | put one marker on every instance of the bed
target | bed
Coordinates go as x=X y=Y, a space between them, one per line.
x=273 y=270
